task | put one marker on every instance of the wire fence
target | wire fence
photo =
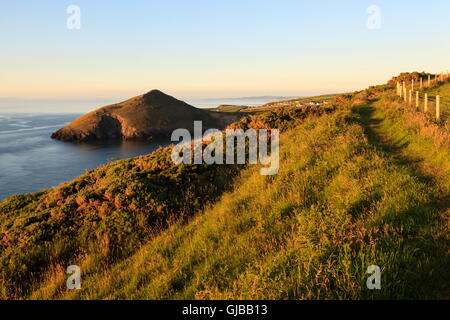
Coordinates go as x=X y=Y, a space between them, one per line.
x=415 y=94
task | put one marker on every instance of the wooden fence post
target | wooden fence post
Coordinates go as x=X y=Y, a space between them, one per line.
x=429 y=80
x=404 y=94
x=410 y=97
x=425 y=103
x=438 y=108
x=412 y=84
x=421 y=83
x=417 y=99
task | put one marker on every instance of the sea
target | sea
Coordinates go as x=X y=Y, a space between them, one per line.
x=31 y=161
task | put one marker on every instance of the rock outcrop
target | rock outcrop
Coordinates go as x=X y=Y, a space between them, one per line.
x=149 y=116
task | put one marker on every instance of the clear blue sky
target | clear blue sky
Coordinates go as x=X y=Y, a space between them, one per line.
x=196 y=48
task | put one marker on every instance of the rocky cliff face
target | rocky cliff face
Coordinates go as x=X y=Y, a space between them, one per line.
x=149 y=116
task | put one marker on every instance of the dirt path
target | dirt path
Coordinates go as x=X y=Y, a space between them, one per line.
x=397 y=149
x=371 y=120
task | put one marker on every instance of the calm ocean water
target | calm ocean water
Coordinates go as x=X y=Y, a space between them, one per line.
x=30 y=161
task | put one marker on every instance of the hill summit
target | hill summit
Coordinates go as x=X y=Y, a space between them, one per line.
x=148 y=116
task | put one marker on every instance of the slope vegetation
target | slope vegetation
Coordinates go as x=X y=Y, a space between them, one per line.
x=363 y=182
x=107 y=213
x=357 y=187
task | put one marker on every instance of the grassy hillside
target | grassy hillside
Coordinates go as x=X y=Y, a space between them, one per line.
x=102 y=215
x=107 y=213
x=365 y=181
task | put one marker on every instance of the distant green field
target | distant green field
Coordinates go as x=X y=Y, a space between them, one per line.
x=230 y=108
x=321 y=98
x=271 y=105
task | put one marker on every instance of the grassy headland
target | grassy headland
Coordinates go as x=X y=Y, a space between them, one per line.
x=364 y=183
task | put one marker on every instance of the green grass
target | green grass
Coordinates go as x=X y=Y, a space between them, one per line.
x=364 y=181
x=424 y=145
x=344 y=199
x=104 y=215
x=444 y=92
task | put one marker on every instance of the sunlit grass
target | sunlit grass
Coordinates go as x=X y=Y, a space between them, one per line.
x=345 y=198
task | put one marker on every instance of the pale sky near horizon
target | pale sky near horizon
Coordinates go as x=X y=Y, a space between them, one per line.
x=233 y=48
